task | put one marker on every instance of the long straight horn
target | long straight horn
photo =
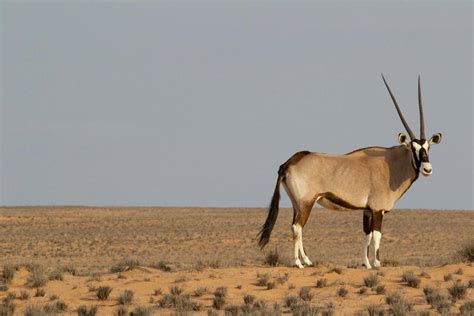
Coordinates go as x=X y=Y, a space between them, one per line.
x=410 y=132
x=420 y=104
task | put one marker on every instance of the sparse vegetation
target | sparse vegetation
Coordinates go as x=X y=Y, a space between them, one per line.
x=126 y=297
x=321 y=283
x=40 y=292
x=200 y=291
x=56 y=275
x=163 y=266
x=467 y=309
x=272 y=258
x=37 y=277
x=283 y=278
x=305 y=293
x=87 y=311
x=342 y=292
x=375 y=310
x=304 y=309
x=219 y=298
x=122 y=311
x=466 y=253
x=399 y=305
x=249 y=299
x=263 y=279
x=24 y=295
x=470 y=284
x=410 y=278
x=8 y=273
x=438 y=301
x=142 y=311
x=363 y=290
x=337 y=270
x=448 y=277
x=125 y=265
x=103 y=292
x=457 y=291
x=380 y=289
x=459 y=271
x=371 y=280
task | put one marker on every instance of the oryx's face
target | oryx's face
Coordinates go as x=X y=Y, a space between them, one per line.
x=420 y=149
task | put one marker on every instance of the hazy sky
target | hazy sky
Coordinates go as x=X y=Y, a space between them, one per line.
x=198 y=103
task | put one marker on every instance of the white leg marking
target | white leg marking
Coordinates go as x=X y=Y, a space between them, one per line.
x=377 y=237
x=296 y=241
x=366 y=244
x=303 y=254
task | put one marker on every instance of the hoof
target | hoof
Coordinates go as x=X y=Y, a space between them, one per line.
x=367 y=266
x=307 y=262
x=298 y=264
x=377 y=264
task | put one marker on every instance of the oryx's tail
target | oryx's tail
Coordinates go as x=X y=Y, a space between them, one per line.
x=272 y=214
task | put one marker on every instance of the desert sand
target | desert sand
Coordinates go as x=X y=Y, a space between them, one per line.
x=206 y=248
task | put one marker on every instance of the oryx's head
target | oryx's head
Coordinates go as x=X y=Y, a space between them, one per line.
x=420 y=147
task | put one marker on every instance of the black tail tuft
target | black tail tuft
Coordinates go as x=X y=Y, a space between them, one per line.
x=272 y=216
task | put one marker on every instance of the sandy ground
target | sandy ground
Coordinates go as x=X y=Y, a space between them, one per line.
x=211 y=248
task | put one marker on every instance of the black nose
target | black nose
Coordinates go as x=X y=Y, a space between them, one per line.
x=427 y=170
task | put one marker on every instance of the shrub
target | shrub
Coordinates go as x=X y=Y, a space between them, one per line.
x=103 y=292
x=272 y=258
x=175 y=290
x=425 y=274
x=37 y=276
x=35 y=310
x=467 y=309
x=448 y=277
x=8 y=273
x=271 y=285
x=304 y=309
x=40 y=292
x=56 y=275
x=142 y=311
x=124 y=265
x=122 y=311
x=457 y=291
x=371 y=280
x=161 y=265
x=342 y=292
x=459 y=271
x=3 y=288
x=249 y=299
x=219 y=298
x=399 y=306
x=291 y=301
x=410 y=278
x=321 y=283
x=380 y=289
x=200 y=291
x=438 y=301
x=7 y=308
x=221 y=291
x=305 y=293
x=87 y=311
x=375 y=310
x=157 y=292
x=24 y=295
x=283 y=278
x=262 y=279
x=231 y=310
x=471 y=284
x=336 y=270
x=362 y=290
x=126 y=297
x=466 y=253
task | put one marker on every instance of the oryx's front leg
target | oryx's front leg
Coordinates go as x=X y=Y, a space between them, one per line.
x=377 y=235
x=297 y=237
x=367 y=225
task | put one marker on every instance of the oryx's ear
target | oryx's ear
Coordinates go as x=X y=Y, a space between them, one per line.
x=436 y=138
x=402 y=138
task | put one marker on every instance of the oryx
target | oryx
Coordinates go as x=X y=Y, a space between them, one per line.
x=371 y=179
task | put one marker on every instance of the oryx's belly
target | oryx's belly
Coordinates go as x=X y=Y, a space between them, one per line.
x=334 y=202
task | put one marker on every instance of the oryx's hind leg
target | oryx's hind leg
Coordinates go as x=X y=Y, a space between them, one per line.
x=300 y=218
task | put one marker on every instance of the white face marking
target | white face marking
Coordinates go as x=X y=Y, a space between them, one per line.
x=426 y=146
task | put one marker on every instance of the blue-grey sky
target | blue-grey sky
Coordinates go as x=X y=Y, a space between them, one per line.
x=197 y=103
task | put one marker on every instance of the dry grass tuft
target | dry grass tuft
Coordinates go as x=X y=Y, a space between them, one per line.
x=466 y=253
x=37 y=277
x=342 y=292
x=321 y=283
x=410 y=278
x=87 y=311
x=272 y=258
x=126 y=297
x=103 y=292
x=125 y=265
x=305 y=293
x=399 y=305
x=371 y=280
x=457 y=291
x=8 y=273
x=467 y=309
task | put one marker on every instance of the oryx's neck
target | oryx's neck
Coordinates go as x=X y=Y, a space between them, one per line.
x=402 y=171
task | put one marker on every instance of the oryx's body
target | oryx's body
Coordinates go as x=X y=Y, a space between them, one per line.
x=370 y=179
